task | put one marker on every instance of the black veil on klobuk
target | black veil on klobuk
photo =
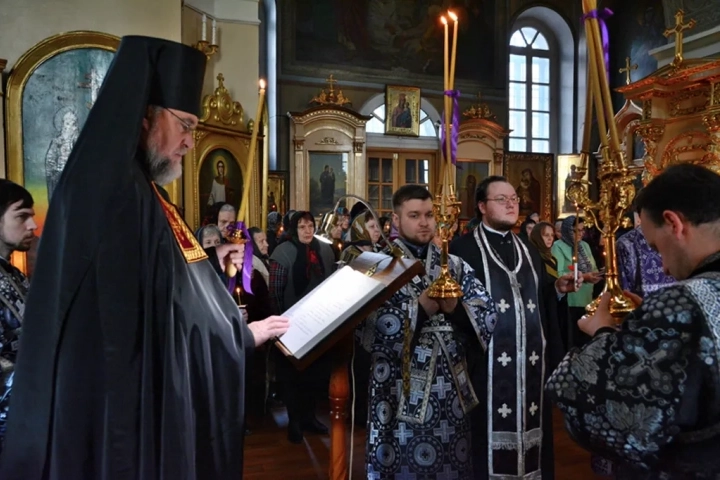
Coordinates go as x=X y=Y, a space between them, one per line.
x=113 y=361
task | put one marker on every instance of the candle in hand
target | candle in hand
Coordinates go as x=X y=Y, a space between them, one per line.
x=214 y=32
x=203 y=34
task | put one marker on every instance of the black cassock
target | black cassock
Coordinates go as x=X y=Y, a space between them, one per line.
x=509 y=438
x=132 y=359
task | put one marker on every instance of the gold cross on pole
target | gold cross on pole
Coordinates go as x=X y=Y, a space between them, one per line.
x=628 y=68
x=678 y=30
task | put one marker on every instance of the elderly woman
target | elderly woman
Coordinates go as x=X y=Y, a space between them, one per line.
x=209 y=236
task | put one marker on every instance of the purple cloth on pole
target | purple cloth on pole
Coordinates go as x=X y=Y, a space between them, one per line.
x=454 y=132
x=601 y=15
x=247 y=260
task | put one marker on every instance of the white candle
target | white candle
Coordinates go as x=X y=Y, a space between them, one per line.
x=214 y=33
x=203 y=36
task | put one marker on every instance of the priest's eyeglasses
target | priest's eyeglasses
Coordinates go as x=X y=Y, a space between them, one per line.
x=187 y=127
x=505 y=200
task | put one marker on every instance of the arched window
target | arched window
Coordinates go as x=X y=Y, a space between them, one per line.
x=377 y=123
x=530 y=96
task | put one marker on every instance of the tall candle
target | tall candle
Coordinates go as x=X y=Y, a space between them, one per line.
x=214 y=32
x=454 y=50
x=203 y=35
x=445 y=57
x=243 y=213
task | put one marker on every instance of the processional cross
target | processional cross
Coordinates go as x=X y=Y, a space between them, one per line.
x=627 y=70
x=678 y=30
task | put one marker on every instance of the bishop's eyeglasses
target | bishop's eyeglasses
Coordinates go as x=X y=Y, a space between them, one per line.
x=187 y=127
x=503 y=200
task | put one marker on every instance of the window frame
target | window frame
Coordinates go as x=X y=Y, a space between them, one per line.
x=528 y=52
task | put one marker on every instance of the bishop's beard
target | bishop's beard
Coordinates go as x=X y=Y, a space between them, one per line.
x=162 y=171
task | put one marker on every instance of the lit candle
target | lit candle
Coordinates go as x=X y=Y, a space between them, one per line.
x=454 y=50
x=243 y=212
x=214 y=32
x=203 y=34
x=445 y=66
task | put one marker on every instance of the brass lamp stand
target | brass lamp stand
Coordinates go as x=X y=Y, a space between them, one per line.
x=446 y=208
x=617 y=190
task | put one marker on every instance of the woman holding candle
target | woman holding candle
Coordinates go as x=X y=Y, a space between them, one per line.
x=562 y=250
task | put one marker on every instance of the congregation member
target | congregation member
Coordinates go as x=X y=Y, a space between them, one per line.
x=297 y=266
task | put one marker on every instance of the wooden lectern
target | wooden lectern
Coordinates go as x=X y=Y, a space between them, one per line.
x=394 y=273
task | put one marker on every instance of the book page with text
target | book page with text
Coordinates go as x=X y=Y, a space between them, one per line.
x=334 y=300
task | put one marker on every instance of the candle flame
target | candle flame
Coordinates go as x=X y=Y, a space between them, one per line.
x=452 y=15
x=262 y=84
x=443 y=20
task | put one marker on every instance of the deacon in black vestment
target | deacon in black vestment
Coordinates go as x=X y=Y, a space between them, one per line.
x=132 y=357
x=512 y=426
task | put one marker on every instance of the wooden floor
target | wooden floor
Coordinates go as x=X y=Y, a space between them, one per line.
x=269 y=456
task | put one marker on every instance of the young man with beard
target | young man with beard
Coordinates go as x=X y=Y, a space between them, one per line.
x=132 y=357
x=17 y=231
x=512 y=427
x=646 y=393
x=420 y=393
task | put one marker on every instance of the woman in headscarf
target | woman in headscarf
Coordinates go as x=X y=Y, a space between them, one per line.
x=258 y=304
x=209 y=236
x=525 y=229
x=335 y=232
x=542 y=237
x=562 y=250
x=363 y=236
x=297 y=266
x=274 y=222
x=285 y=229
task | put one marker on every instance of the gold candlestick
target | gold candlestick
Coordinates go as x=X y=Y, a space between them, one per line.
x=617 y=190
x=446 y=208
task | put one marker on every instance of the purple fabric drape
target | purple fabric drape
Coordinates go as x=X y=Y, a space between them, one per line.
x=454 y=128
x=247 y=259
x=601 y=15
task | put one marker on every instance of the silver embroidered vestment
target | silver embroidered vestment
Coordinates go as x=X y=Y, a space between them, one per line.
x=515 y=365
x=427 y=433
x=648 y=395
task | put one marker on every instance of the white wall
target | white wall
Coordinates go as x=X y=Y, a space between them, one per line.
x=24 y=23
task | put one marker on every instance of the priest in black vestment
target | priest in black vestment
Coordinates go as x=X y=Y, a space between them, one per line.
x=512 y=426
x=132 y=359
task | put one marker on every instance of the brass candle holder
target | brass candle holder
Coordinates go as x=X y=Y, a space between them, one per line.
x=207 y=48
x=617 y=192
x=446 y=209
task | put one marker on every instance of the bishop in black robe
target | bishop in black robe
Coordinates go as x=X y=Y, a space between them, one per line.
x=132 y=358
x=512 y=426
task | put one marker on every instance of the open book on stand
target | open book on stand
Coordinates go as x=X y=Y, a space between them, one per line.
x=334 y=308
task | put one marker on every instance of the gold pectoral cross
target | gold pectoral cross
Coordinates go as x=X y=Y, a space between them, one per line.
x=627 y=70
x=678 y=30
